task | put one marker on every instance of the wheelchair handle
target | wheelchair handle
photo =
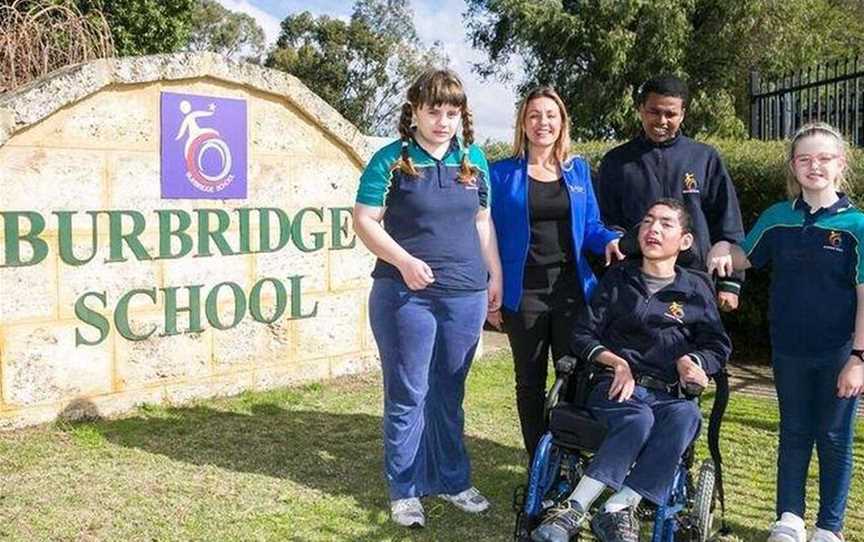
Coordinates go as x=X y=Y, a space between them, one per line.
x=692 y=389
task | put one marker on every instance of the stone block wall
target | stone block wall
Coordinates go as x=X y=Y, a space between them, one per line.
x=88 y=139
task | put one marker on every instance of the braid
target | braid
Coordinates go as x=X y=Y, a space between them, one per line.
x=467 y=172
x=405 y=165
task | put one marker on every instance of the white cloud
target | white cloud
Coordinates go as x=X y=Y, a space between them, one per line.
x=268 y=22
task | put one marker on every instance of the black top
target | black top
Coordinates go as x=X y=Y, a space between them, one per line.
x=551 y=235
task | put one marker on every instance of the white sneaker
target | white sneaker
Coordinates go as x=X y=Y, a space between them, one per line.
x=821 y=535
x=470 y=501
x=407 y=512
x=789 y=528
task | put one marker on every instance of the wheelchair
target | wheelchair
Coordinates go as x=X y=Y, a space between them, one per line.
x=573 y=435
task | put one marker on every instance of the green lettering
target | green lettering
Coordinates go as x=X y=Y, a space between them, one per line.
x=171 y=310
x=14 y=238
x=64 y=227
x=296 y=302
x=117 y=238
x=264 y=229
x=297 y=230
x=166 y=233
x=338 y=228
x=243 y=214
x=91 y=317
x=121 y=314
x=212 y=306
x=255 y=300
x=218 y=235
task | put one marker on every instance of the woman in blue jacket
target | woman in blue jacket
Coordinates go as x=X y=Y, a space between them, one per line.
x=545 y=214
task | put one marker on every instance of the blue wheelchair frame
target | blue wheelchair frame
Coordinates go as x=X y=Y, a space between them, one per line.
x=556 y=469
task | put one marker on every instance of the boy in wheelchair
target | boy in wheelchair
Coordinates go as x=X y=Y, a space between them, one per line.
x=650 y=327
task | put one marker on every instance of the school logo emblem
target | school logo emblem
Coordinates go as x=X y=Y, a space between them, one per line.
x=835 y=241
x=203 y=147
x=690 y=185
x=675 y=311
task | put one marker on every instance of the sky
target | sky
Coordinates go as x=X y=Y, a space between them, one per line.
x=492 y=102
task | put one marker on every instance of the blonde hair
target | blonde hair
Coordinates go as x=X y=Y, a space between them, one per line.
x=520 y=140
x=432 y=88
x=793 y=187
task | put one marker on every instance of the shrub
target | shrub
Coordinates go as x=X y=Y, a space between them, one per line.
x=758 y=170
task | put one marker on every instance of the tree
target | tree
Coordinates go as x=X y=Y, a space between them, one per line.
x=217 y=29
x=144 y=27
x=361 y=67
x=596 y=52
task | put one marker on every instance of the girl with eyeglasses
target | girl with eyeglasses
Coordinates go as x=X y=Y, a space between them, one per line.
x=813 y=243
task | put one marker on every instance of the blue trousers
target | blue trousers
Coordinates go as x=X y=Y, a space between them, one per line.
x=646 y=437
x=426 y=344
x=811 y=412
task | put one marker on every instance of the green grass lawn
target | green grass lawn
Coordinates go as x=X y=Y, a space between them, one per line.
x=305 y=464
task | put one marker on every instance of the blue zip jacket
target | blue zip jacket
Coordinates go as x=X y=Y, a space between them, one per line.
x=652 y=332
x=509 y=185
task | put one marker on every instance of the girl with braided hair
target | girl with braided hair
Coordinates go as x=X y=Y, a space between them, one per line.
x=423 y=209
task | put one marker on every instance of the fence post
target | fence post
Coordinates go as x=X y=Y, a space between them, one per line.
x=755 y=128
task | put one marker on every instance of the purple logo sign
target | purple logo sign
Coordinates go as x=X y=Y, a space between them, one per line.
x=203 y=147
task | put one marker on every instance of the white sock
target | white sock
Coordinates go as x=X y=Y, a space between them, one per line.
x=587 y=491
x=790 y=519
x=621 y=500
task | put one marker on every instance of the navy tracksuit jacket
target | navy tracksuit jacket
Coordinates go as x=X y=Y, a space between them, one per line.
x=651 y=332
x=634 y=175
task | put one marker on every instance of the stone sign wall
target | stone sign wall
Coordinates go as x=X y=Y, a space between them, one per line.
x=112 y=296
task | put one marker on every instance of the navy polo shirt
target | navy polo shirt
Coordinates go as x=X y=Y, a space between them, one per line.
x=431 y=216
x=816 y=261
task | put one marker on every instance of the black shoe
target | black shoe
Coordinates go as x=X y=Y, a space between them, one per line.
x=621 y=526
x=560 y=523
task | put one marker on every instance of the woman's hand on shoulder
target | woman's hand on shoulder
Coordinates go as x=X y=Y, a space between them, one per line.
x=613 y=251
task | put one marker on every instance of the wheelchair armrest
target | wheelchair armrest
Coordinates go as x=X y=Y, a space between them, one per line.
x=566 y=365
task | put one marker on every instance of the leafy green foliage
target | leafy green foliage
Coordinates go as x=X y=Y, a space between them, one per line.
x=144 y=27
x=361 y=67
x=229 y=33
x=597 y=52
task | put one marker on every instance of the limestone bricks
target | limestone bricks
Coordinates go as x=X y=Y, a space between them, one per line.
x=86 y=138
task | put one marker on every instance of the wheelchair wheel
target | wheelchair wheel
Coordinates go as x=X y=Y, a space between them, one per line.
x=702 y=513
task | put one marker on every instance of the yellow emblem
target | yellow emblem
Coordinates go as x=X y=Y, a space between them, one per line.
x=690 y=181
x=835 y=238
x=675 y=310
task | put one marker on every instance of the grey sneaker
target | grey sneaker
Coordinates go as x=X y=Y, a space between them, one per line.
x=621 y=526
x=561 y=523
x=407 y=512
x=470 y=501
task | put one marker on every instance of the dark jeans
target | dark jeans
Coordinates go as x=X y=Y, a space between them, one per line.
x=811 y=412
x=426 y=344
x=551 y=301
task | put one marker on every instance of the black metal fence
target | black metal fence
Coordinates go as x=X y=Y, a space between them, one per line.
x=832 y=92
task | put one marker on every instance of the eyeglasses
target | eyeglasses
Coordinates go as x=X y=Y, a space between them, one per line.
x=807 y=160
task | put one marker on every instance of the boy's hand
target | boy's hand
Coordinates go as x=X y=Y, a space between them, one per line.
x=623 y=384
x=850 y=382
x=689 y=371
x=719 y=259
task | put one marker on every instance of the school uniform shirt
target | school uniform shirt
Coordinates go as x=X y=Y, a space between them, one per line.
x=816 y=262
x=634 y=175
x=652 y=331
x=431 y=216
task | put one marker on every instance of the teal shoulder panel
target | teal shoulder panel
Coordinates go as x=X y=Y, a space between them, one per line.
x=779 y=214
x=477 y=158
x=852 y=222
x=376 y=178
